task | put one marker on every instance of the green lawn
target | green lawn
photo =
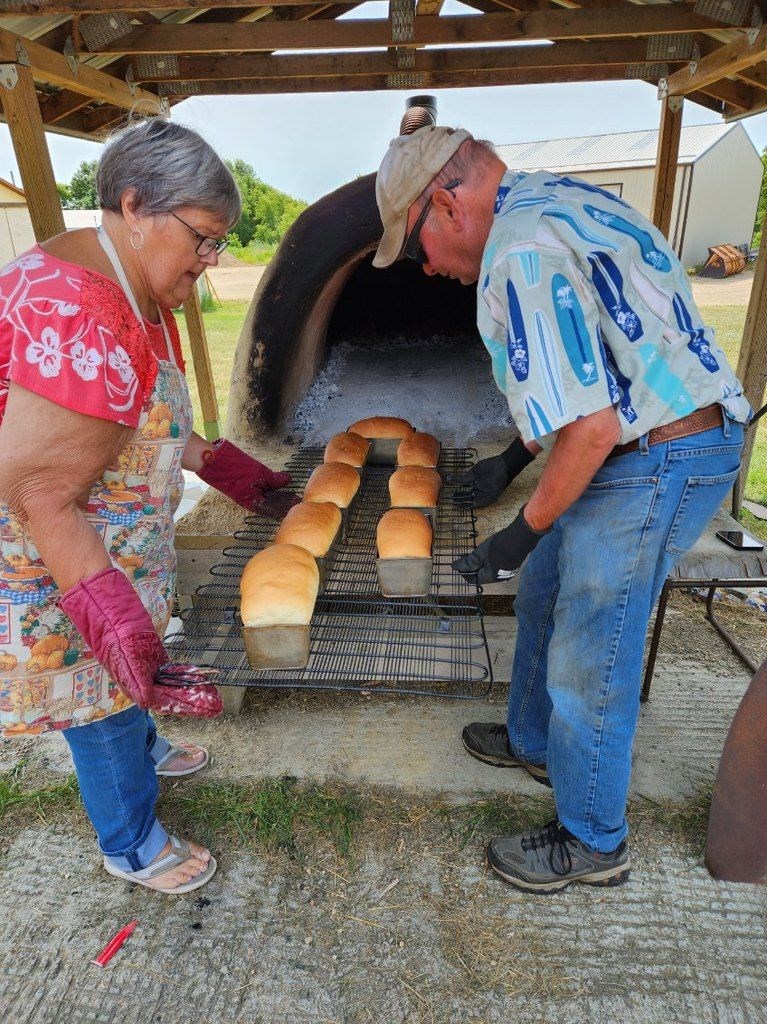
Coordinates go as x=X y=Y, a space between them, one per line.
x=223 y=326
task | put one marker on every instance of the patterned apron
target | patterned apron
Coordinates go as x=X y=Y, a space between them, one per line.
x=48 y=677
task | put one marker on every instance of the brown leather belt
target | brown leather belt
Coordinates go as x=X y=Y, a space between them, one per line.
x=698 y=421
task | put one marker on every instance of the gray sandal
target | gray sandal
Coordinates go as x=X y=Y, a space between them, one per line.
x=177 y=752
x=179 y=853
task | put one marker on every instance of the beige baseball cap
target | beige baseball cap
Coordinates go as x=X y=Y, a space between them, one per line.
x=410 y=164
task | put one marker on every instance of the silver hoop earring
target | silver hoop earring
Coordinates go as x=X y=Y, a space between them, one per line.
x=137 y=238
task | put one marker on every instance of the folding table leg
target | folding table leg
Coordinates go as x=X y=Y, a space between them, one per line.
x=655 y=642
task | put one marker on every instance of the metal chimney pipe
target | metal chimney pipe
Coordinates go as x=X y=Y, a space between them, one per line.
x=420 y=111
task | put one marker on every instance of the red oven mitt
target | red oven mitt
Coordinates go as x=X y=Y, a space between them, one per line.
x=114 y=623
x=245 y=480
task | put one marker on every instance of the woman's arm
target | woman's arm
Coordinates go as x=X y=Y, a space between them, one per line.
x=192 y=458
x=49 y=459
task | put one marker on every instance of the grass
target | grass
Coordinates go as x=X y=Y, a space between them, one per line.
x=297 y=818
x=33 y=801
x=224 y=324
x=273 y=814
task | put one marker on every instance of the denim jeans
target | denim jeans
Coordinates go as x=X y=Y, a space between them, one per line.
x=115 y=759
x=585 y=598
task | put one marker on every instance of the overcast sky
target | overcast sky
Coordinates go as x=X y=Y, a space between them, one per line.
x=308 y=145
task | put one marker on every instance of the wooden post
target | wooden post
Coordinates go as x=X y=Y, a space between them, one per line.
x=666 y=163
x=752 y=362
x=203 y=372
x=22 y=112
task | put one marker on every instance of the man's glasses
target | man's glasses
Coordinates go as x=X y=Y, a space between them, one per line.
x=413 y=250
x=206 y=245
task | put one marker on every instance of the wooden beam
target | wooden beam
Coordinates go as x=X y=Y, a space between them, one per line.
x=353 y=34
x=752 y=362
x=51 y=67
x=129 y=6
x=666 y=163
x=734 y=94
x=419 y=80
x=22 y=113
x=722 y=62
x=561 y=55
x=56 y=108
x=203 y=371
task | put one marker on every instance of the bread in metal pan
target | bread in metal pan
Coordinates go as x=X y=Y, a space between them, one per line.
x=414 y=487
x=418 y=449
x=279 y=587
x=312 y=525
x=333 y=481
x=350 y=448
x=381 y=426
x=404 y=533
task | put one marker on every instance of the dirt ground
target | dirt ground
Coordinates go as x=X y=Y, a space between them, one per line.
x=395 y=919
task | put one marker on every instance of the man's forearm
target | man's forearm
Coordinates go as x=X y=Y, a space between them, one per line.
x=578 y=452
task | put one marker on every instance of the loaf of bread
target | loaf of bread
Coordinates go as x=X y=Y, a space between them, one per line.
x=333 y=481
x=414 y=487
x=381 y=426
x=312 y=525
x=349 y=448
x=279 y=587
x=418 y=449
x=404 y=533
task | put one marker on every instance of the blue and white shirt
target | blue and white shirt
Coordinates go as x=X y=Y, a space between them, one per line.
x=583 y=305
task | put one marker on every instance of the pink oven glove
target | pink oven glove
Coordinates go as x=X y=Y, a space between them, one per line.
x=114 y=623
x=243 y=479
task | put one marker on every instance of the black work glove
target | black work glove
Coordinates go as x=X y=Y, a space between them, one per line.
x=499 y=557
x=487 y=481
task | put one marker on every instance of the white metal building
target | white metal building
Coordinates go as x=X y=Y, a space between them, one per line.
x=717 y=185
x=16 y=234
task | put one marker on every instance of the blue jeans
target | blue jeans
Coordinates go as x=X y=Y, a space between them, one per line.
x=115 y=759
x=585 y=598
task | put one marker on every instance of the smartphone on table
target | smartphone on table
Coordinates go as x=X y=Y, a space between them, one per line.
x=740 y=540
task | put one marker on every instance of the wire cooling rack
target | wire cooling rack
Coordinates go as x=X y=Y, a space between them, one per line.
x=360 y=640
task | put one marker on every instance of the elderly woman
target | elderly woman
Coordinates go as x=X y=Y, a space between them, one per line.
x=95 y=427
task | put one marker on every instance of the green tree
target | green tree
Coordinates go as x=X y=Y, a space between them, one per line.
x=267 y=213
x=82 y=187
x=762 y=205
x=65 y=195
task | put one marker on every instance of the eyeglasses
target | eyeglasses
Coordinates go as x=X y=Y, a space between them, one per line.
x=206 y=245
x=412 y=249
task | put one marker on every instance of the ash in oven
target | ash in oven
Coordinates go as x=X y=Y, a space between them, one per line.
x=443 y=385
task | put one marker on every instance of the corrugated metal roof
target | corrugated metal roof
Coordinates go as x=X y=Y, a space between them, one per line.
x=625 y=149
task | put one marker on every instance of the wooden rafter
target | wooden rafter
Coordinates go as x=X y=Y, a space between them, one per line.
x=563 y=55
x=603 y=23
x=54 y=68
x=719 y=64
x=424 y=80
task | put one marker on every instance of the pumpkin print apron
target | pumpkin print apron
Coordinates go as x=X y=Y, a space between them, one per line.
x=48 y=677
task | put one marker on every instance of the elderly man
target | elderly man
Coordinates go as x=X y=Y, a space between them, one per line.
x=597 y=343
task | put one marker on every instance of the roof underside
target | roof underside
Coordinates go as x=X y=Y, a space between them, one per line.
x=94 y=60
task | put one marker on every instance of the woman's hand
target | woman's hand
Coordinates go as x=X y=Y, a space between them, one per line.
x=239 y=476
x=114 y=623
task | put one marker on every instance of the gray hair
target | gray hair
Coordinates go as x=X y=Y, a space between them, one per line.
x=168 y=166
x=466 y=163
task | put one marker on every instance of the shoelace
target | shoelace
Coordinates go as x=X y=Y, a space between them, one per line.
x=553 y=835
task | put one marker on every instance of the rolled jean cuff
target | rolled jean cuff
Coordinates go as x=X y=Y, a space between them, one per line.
x=143 y=855
x=159 y=748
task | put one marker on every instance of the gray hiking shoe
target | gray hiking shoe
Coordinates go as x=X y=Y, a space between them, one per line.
x=489 y=742
x=552 y=858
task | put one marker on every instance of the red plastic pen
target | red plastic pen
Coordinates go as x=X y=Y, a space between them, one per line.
x=114 y=944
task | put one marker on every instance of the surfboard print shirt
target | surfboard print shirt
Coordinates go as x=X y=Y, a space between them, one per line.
x=582 y=305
